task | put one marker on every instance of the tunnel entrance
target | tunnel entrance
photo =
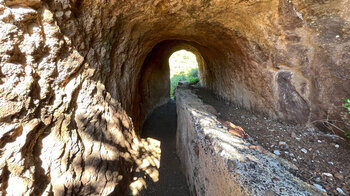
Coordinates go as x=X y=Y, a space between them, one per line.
x=183 y=67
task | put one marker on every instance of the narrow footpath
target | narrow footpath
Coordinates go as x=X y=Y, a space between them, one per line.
x=161 y=125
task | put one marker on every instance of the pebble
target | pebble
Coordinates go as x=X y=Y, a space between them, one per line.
x=277 y=152
x=331 y=163
x=327 y=174
x=293 y=135
x=295 y=160
x=319 y=187
x=337 y=145
x=298 y=138
x=318 y=179
x=284 y=146
x=319 y=141
x=340 y=191
x=242 y=117
x=303 y=150
x=59 y=14
x=254 y=118
x=339 y=176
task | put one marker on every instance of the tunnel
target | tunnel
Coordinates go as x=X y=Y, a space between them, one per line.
x=78 y=79
x=154 y=86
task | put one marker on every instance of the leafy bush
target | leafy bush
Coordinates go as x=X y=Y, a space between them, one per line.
x=190 y=76
x=347 y=106
x=174 y=81
x=193 y=80
x=193 y=73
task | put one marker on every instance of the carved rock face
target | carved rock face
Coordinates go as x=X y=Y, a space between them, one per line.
x=77 y=78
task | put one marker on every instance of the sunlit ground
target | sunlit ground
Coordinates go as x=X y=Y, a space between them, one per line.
x=147 y=164
x=183 y=67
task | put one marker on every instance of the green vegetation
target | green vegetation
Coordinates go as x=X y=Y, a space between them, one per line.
x=347 y=106
x=192 y=76
x=183 y=67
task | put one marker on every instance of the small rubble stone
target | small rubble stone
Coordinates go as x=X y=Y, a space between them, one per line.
x=340 y=191
x=339 y=176
x=283 y=145
x=277 y=152
x=318 y=179
x=293 y=135
x=303 y=150
x=327 y=174
x=319 y=187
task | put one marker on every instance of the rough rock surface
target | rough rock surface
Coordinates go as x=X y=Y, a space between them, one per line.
x=216 y=162
x=73 y=77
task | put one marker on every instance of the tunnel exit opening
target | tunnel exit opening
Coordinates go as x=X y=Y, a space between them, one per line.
x=167 y=63
x=183 y=67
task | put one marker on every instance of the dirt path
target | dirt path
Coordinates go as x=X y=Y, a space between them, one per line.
x=161 y=125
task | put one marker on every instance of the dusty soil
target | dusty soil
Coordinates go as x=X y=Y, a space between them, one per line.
x=161 y=125
x=322 y=159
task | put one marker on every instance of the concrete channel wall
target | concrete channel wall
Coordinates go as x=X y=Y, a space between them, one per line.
x=216 y=162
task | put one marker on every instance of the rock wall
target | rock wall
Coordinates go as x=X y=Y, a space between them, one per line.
x=216 y=162
x=62 y=132
x=73 y=72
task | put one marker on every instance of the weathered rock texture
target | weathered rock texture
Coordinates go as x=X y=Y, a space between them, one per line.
x=76 y=83
x=218 y=163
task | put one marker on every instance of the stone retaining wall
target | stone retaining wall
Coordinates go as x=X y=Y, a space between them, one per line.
x=216 y=162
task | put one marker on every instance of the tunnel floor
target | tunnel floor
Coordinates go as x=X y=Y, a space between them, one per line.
x=161 y=125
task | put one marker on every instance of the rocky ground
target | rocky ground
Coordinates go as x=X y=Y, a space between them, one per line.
x=322 y=159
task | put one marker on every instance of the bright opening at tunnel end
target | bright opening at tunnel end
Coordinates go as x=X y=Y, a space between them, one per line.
x=183 y=67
